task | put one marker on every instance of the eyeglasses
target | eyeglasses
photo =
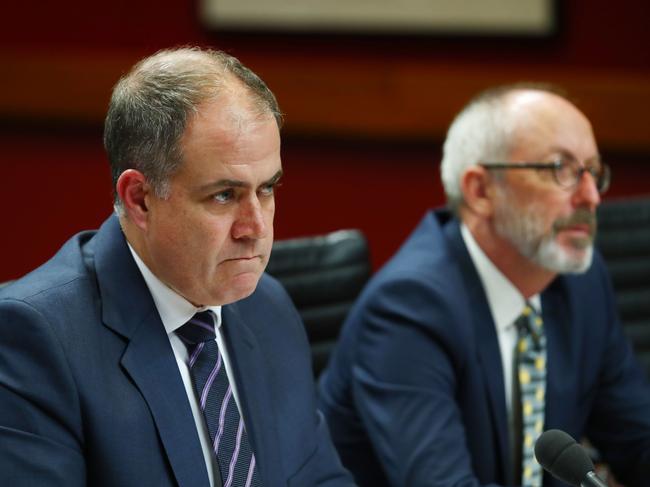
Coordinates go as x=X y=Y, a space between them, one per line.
x=567 y=171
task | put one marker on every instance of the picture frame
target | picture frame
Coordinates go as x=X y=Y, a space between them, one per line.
x=455 y=17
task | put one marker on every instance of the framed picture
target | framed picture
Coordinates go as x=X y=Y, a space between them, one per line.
x=474 y=17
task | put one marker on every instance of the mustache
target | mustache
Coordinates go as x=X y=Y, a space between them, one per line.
x=579 y=217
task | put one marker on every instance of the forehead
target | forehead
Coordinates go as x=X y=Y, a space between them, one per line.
x=544 y=123
x=225 y=118
x=230 y=131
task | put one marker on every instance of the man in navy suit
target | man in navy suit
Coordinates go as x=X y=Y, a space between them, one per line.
x=99 y=384
x=426 y=387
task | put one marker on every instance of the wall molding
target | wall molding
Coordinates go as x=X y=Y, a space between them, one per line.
x=400 y=99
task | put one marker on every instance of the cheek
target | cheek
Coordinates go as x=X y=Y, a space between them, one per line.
x=212 y=239
x=270 y=216
x=547 y=207
x=164 y=232
x=268 y=208
x=194 y=241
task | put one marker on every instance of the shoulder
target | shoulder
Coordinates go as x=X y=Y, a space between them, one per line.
x=53 y=298
x=63 y=274
x=419 y=294
x=423 y=276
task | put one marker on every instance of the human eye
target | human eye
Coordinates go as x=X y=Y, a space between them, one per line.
x=594 y=166
x=566 y=170
x=269 y=188
x=224 y=196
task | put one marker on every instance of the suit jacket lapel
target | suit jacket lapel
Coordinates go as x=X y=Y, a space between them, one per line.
x=487 y=344
x=150 y=362
x=255 y=398
x=560 y=378
x=128 y=310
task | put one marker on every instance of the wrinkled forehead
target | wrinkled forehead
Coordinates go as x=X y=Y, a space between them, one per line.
x=542 y=123
x=227 y=116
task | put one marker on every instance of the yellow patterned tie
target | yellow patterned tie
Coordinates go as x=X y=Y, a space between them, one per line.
x=531 y=371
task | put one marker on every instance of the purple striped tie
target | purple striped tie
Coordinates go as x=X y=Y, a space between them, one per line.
x=229 y=439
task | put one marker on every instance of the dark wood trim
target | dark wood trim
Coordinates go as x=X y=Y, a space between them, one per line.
x=397 y=99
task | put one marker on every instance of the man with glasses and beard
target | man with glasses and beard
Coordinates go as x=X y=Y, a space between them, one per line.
x=496 y=319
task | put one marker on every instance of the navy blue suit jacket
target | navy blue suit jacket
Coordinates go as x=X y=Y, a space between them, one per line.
x=414 y=394
x=90 y=393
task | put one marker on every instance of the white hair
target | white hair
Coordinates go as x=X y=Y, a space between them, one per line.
x=481 y=132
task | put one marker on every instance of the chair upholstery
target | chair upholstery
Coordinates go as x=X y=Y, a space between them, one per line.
x=624 y=240
x=323 y=275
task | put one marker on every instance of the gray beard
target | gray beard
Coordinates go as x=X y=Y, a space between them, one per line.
x=524 y=228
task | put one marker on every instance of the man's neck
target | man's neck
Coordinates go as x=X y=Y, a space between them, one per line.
x=133 y=236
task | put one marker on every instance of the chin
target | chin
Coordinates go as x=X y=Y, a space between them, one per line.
x=239 y=287
x=564 y=259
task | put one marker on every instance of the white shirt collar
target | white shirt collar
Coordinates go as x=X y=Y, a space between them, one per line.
x=504 y=299
x=174 y=309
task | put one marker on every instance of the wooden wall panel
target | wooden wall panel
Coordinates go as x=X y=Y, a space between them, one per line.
x=401 y=100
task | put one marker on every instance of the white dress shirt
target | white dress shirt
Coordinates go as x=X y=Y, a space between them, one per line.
x=506 y=304
x=175 y=311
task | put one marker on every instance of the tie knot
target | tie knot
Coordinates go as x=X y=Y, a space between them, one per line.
x=530 y=324
x=199 y=329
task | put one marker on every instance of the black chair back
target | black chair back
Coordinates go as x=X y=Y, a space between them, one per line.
x=323 y=275
x=624 y=240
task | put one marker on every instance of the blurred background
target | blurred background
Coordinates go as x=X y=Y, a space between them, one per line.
x=366 y=111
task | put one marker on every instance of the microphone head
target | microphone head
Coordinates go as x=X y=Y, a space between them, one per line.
x=560 y=455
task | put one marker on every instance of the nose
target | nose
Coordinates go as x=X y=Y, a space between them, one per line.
x=250 y=222
x=586 y=193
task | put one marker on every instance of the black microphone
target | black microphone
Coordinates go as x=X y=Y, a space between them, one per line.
x=563 y=458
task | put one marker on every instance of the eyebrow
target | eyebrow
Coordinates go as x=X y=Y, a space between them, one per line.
x=566 y=153
x=236 y=183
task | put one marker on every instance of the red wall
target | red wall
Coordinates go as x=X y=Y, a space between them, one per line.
x=54 y=187
x=55 y=178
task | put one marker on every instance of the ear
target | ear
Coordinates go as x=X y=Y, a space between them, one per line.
x=476 y=185
x=133 y=190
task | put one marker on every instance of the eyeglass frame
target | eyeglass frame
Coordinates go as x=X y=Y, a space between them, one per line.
x=555 y=165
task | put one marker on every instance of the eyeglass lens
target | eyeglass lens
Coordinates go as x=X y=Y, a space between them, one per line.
x=569 y=172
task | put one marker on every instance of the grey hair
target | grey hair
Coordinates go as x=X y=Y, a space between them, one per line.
x=151 y=105
x=483 y=131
